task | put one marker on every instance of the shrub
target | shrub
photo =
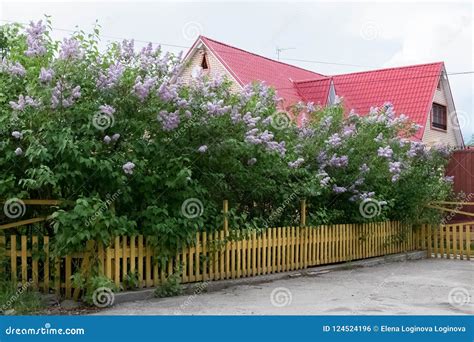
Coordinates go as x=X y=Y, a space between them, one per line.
x=138 y=151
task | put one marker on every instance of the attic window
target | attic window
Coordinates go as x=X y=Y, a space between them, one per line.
x=204 y=64
x=439 y=116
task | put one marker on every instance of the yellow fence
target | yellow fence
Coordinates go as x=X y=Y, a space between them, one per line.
x=217 y=256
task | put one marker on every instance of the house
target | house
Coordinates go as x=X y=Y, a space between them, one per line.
x=421 y=92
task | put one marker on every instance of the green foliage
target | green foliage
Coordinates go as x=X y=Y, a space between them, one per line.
x=19 y=298
x=171 y=286
x=175 y=142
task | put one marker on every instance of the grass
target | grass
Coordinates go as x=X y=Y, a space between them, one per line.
x=21 y=299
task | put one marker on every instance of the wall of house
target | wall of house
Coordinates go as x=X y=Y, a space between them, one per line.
x=215 y=67
x=452 y=135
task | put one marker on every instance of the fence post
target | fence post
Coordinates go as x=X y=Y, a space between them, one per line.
x=303 y=213
x=226 y=219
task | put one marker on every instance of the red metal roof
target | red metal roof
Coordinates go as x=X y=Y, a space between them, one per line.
x=410 y=89
x=247 y=67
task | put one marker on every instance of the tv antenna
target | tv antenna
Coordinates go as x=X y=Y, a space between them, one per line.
x=280 y=50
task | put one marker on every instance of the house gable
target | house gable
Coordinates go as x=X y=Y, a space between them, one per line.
x=452 y=135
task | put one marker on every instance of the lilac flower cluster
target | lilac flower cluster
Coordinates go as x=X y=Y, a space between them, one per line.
x=385 y=152
x=128 y=168
x=107 y=110
x=202 y=149
x=46 y=75
x=107 y=139
x=143 y=87
x=338 y=189
x=13 y=69
x=336 y=161
x=110 y=77
x=169 y=121
x=70 y=49
x=334 y=140
x=395 y=169
x=266 y=139
x=63 y=96
x=35 y=39
x=297 y=163
x=24 y=102
x=17 y=135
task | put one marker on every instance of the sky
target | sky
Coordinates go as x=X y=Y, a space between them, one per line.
x=352 y=36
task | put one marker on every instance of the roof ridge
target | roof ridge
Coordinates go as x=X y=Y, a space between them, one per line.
x=306 y=80
x=257 y=55
x=389 y=68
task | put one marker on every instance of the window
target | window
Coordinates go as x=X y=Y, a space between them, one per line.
x=439 y=85
x=439 y=117
x=204 y=64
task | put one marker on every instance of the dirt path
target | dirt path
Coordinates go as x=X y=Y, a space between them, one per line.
x=420 y=287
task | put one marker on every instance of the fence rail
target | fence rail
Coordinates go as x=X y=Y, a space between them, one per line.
x=216 y=256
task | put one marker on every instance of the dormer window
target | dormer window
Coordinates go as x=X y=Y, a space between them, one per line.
x=204 y=63
x=439 y=116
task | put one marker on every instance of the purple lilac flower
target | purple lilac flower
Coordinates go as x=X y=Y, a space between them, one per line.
x=334 y=140
x=336 y=161
x=442 y=149
x=127 y=49
x=297 y=163
x=107 y=139
x=379 y=138
x=23 y=102
x=142 y=88
x=15 y=69
x=326 y=122
x=115 y=137
x=169 y=121
x=348 y=130
x=274 y=146
x=109 y=78
x=76 y=92
x=385 y=152
x=251 y=161
x=167 y=92
x=18 y=151
x=35 y=39
x=17 y=135
x=305 y=132
x=324 y=182
x=395 y=169
x=46 y=75
x=107 y=110
x=339 y=189
x=59 y=95
x=70 y=49
x=310 y=107
x=202 y=149
x=128 y=168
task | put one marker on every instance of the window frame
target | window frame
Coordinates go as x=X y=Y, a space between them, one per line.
x=435 y=125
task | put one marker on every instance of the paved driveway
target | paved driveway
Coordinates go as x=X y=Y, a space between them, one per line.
x=422 y=287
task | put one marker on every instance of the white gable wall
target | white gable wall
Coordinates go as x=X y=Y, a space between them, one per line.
x=193 y=63
x=452 y=136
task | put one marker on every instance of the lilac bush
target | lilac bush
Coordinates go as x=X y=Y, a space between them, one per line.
x=79 y=124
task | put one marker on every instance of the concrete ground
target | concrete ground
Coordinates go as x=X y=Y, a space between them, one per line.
x=421 y=287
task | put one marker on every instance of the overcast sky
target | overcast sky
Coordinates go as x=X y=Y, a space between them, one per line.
x=372 y=35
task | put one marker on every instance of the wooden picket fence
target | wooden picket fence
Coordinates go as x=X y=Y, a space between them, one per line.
x=454 y=241
x=228 y=255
